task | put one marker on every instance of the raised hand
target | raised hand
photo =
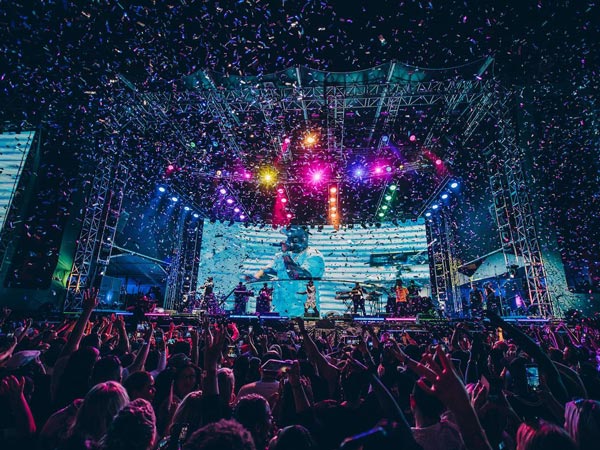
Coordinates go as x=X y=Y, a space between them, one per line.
x=213 y=346
x=90 y=299
x=445 y=383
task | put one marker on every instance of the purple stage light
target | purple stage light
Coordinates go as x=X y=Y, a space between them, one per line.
x=230 y=201
x=223 y=191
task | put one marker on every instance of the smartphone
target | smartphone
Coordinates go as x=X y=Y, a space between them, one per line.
x=142 y=327
x=533 y=376
x=232 y=351
x=351 y=340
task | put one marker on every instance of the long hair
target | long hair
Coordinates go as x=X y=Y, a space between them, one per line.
x=582 y=422
x=100 y=406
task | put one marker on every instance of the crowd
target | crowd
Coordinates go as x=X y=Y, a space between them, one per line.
x=94 y=384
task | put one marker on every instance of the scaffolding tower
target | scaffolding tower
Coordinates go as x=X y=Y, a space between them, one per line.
x=182 y=281
x=512 y=209
x=96 y=239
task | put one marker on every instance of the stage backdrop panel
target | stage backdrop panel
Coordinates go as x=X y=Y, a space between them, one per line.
x=375 y=257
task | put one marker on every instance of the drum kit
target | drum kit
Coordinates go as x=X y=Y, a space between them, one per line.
x=375 y=306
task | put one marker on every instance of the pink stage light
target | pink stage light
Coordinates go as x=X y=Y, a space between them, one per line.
x=412 y=138
x=438 y=162
x=223 y=191
x=378 y=170
x=280 y=191
x=284 y=200
x=317 y=176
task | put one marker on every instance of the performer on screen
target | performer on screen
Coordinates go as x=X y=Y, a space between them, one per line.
x=311 y=299
x=263 y=302
x=358 y=299
x=294 y=263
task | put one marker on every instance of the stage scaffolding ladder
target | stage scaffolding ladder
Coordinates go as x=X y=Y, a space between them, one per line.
x=95 y=243
x=443 y=267
x=182 y=281
x=512 y=208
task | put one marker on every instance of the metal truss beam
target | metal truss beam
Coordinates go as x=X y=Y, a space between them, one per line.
x=514 y=215
x=182 y=280
x=94 y=246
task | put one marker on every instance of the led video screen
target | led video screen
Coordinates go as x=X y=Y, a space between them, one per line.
x=374 y=256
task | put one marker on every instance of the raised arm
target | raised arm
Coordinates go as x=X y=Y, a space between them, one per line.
x=90 y=301
x=545 y=364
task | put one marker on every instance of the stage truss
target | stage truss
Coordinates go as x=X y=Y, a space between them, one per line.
x=464 y=101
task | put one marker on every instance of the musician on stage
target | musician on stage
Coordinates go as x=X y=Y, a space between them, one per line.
x=263 y=302
x=492 y=301
x=476 y=301
x=401 y=299
x=311 y=299
x=208 y=298
x=240 y=296
x=358 y=299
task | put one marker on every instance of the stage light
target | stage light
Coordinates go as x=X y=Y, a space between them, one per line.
x=412 y=138
x=378 y=170
x=388 y=197
x=381 y=214
x=287 y=140
x=247 y=175
x=333 y=214
x=333 y=190
x=174 y=199
x=393 y=187
x=454 y=185
x=289 y=216
x=230 y=201
x=332 y=199
x=438 y=162
x=434 y=206
x=162 y=189
x=170 y=167
x=284 y=200
x=333 y=208
x=310 y=139
x=384 y=207
x=427 y=214
x=280 y=191
x=196 y=215
x=223 y=191
x=384 y=138
x=268 y=176
x=388 y=169
x=236 y=210
x=444 y=196
x=359 y=172
x=242 y=217
x=186 y=208
x=317 y=176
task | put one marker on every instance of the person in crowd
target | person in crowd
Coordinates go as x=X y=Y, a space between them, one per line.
x=134 y=428
x=582 y=422
x=254 y=413
x=140 y=385
x=430 y=431
x=221 y=435
x=100 y=406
